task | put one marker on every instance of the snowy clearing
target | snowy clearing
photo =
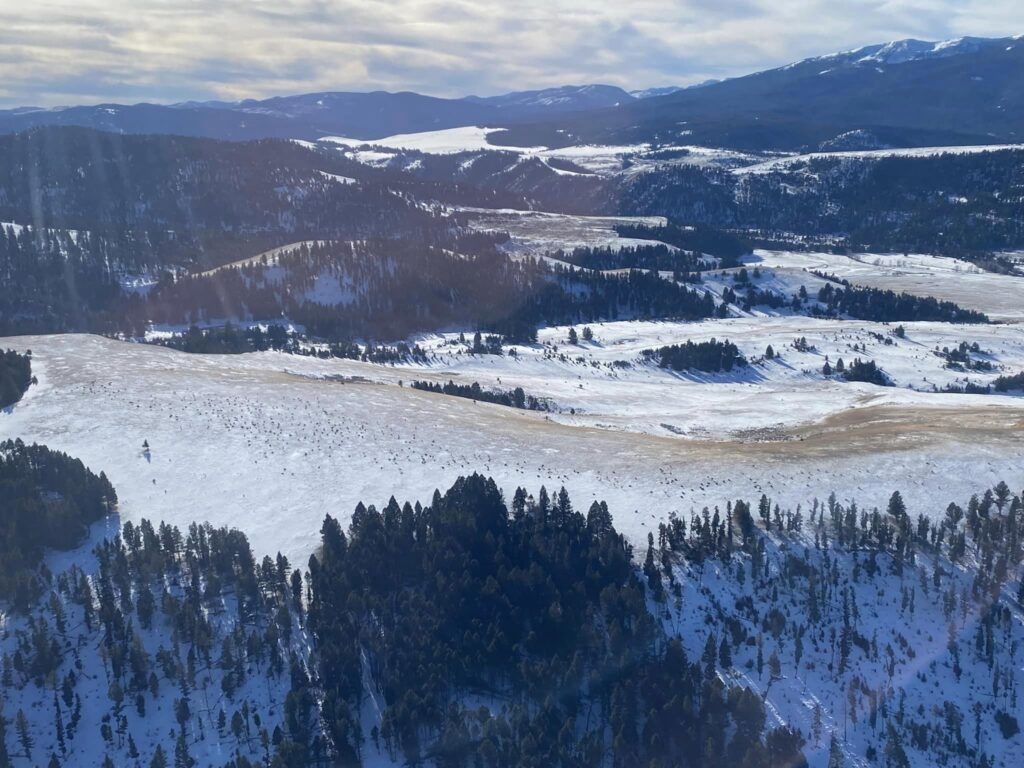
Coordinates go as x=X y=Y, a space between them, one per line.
x=782 y=163
x=270 y=442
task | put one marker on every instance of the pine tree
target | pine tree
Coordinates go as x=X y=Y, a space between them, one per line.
x=896 y=506
x=835 y=754
x=724 y=654
x=58 y=724
x=182 y=759
x=24 y=737
x=5 y=757
x=774 y=666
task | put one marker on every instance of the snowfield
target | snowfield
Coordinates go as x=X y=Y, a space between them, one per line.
x=534 y=233
x=449 y=141
x=601 y=159
x=783 y=163
x=271 y=442
x=628 y=159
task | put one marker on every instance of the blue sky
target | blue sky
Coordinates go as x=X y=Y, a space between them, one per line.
x=55 y=52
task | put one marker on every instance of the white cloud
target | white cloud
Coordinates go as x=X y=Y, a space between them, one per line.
x=60 y=52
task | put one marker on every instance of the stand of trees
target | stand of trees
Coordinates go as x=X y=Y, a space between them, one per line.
x=888 y=306
x=15 y=376
x=538 y=607
x=863 y=370
x=657 y=257
x=47 y=499
x=1010 y=383
x=709 y=356
x=697 y=239
x=514 y=398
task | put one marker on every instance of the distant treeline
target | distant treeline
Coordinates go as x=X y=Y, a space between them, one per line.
x=514 y=398
x=698 y=239
x=709 y=356
x=15 y=376
x=658 y=257
x=888 y=306
x=230 y=339
x=47 y=499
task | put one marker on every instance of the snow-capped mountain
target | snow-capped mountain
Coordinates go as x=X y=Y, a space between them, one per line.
x=902 y=93
x=902 y=51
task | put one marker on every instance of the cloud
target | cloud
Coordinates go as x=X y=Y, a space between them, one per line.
x=60 y=52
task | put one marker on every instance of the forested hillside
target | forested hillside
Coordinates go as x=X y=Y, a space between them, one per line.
x=387 y=289
x=15 y=376
x=472 y=632
x=47 y=500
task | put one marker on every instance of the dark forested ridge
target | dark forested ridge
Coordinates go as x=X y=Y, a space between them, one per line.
x=954 y=204
x=47 y=499
x=386 y=289
x=114 y=231
x=171 y=194
x=15 y=376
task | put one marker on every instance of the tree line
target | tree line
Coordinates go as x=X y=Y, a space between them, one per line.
x=15 y=376
x=48 y=500
x=513 y=398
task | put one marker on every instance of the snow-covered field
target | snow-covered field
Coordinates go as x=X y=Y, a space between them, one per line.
x=448 y=141
x=594 y=158
x=616 y=159
x=271 y=442
x=1001 y=297
x=534 y=233
x=782 y=163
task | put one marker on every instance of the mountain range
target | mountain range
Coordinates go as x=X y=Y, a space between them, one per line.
x=902 y=93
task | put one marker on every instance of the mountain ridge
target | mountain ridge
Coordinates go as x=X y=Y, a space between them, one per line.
x=902 y=93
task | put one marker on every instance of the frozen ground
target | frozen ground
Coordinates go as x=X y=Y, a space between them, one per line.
x=1001 y=297
x=534 y=233
x=594 y=158
x=618 y=159
x=783 y=163
x=448 y=141
x=270 y=442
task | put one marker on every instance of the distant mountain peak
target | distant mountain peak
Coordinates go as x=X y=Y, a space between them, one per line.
x=907 y=50
x=559 y=98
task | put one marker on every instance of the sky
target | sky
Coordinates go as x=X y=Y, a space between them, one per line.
x=61 y=52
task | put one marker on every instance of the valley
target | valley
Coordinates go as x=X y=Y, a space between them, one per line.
x=574 y=427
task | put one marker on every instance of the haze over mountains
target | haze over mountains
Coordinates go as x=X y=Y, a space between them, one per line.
x=902 y=93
